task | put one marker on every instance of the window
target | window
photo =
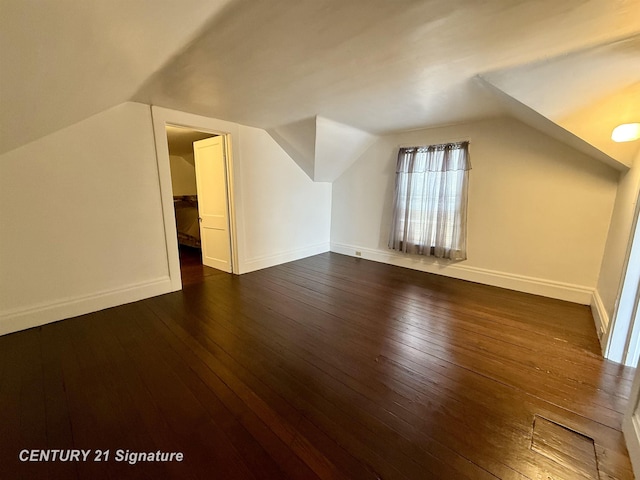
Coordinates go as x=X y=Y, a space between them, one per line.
x=430 y=204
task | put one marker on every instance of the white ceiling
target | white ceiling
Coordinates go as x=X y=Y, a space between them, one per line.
x=592 y=91
x=180 y=140
x=64 y=60
x=377 y=65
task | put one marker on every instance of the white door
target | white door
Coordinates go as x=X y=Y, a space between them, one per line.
x=631 y=425
x=213 y=207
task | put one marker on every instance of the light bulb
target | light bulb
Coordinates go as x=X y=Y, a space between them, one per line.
x=626 y=132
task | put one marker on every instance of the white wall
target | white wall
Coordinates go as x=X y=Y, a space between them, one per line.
x=285 y=215
x=618 y=239
x=83 y=225
x=278 y=213
x=183 y=176
x=538 y=210
x=81 y=220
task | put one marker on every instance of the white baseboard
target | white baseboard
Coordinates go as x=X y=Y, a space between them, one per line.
x=283 y=257
x=537 y=286
x=34 y=316
x=600 y=317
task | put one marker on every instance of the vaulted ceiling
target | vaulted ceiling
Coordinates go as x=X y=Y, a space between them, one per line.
x=593 y=90
x=375 y=65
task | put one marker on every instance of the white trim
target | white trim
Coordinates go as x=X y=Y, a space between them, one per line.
x=34 y=316
x=631 y=427
x=231 y=200
x=601 y=318
x=621 y=330
x=631 y=431
x=162 y=117
x=521 y=283
x=284 y=257
x=166 y=197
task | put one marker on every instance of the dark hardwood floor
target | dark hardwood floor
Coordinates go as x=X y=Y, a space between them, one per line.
x=191 y=267
x=330 y=367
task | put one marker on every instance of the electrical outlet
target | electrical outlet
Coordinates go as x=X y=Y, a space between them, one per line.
x=358 y=253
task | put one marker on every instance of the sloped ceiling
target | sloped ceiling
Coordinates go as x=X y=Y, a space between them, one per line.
x=64 y=60
x=587 y=92
x=375 y=65
x=180 y=140
x=322 y=148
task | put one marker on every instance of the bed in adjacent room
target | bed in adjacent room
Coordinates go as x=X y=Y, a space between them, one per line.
x=187 y=225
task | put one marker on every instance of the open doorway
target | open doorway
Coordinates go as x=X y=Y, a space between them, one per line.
x=228 y=131
x=623 y=342
x=200 y=201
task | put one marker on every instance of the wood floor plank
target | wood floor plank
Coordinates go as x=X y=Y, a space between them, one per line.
x=348 y=362
x=329 y=367
x=300 y=359
x=136 y=396
x=240 y=410
x=22 y=405
x=499 y=367
x=503 y=354
x=58 y=421
x=204 y=443
x=467 y=319
x=218 y=309
x=229 y=368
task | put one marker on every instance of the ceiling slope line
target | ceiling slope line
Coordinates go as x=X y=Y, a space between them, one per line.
x=536 y=120
x=324 y=149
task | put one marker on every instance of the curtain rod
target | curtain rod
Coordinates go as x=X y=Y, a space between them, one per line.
x=459 y=140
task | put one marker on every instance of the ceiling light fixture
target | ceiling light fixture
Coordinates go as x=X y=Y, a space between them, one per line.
x=627 y=132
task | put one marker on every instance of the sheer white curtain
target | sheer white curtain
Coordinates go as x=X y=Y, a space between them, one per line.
x=430 y=204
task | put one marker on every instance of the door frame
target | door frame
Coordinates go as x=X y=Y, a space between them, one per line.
x=161 y=117
x=631 y=425
x=618 y=342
